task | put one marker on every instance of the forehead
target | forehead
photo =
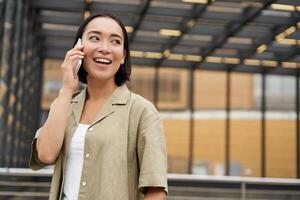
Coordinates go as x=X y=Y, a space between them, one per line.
x=104 y=25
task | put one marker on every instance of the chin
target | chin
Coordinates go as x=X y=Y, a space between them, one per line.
x=103 y=77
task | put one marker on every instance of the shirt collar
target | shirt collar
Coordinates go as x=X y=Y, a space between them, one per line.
x=119 y=96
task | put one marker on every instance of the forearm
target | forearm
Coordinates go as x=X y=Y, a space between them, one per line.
x=155 y=193
x=51 y=135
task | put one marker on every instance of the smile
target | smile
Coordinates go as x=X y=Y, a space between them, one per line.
x=104 y=61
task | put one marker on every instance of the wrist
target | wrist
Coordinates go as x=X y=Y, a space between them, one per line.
x=66 y=92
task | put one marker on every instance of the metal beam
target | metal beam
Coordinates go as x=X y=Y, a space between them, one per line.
x=59 y=5
x=263 y=127
x=5 y=73
x=191 y=120
x=113 y=8
x=142 y=14
x=2 y=11
x=57 y=33
x=66 y=20
x=227 y=124
x=16 y=126
x=298 y=122
x=12 y=136
x=267 y=40
x=198 y=10
x=233 y=29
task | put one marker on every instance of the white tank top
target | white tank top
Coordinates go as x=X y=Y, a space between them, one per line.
x=74 y=164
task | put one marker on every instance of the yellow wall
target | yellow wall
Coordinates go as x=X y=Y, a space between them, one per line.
x=245 y=146
x=210 y=89
x=281 y=148
x=177 y=139
x=209 y=142
x=241 y=94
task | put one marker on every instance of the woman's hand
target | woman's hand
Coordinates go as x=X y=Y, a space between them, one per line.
x=70 y=78
x=155 y=193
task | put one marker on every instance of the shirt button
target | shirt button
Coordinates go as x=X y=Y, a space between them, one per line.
x=87 y=155
x=91 y=129
x=84 y=183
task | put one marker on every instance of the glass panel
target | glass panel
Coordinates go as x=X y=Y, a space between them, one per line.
x=245 y=126
x=142 y=82
x=177 y=138
x=173 y=96
x=173 y=89
x=280 y=92
x=209 y=147
x=242 y=92
x=280 y=127
x=51 y=82
x=210 y=90
x=209 y=133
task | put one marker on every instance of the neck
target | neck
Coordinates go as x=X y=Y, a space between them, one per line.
x=99 y=90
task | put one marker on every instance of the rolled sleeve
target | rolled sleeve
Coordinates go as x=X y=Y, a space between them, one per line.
x=152 y=154
x=34 y=162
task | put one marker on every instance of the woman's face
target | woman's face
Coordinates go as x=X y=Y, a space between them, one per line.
x=103 y=44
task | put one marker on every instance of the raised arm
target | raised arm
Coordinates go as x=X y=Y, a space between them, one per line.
x=51 y=134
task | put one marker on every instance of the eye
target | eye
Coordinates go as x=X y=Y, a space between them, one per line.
x=116 y=41
x=93 y=37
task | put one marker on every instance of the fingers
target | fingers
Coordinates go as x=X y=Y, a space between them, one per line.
x=75 y=52
x=73 y=57
x=78 y=47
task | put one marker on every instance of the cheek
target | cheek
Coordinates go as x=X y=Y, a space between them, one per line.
x=120 y=53
x=88 y=49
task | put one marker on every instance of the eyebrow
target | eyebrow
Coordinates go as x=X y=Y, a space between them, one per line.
x=112 y=35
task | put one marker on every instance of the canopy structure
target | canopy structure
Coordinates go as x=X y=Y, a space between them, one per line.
x=258 y=36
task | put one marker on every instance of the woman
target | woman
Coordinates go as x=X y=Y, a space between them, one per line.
x=106 y=142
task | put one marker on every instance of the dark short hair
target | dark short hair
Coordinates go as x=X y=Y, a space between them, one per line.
x=123 y=74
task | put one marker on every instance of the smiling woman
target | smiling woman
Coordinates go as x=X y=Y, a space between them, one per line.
x=103 y=44
x=106 y=142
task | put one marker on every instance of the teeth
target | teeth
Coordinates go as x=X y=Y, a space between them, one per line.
x=102 y=60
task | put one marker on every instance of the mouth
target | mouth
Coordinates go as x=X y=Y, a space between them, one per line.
x=102 y=61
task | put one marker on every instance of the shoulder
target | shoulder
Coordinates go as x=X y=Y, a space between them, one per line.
x=142 y=109
x=140 y=102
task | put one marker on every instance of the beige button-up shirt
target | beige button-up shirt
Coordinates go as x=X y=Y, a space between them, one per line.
x=124 y=149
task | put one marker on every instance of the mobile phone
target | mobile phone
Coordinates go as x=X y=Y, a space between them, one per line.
x=80 y=60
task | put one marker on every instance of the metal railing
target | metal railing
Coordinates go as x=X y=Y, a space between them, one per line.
x=26 y=184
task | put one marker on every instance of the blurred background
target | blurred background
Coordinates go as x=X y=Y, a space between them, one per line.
x=224 y=75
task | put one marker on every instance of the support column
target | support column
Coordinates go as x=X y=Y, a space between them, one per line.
x=27 y=91
x=6 y=74
x=2 y=9
x=297 y=122
x=30 y=105
x=227 y=124
x=156 y=86
x=19 y=128
x=11 y=135
x=192 y=120
x=263 y=126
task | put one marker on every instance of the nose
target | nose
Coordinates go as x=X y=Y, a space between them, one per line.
x=104 y=47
